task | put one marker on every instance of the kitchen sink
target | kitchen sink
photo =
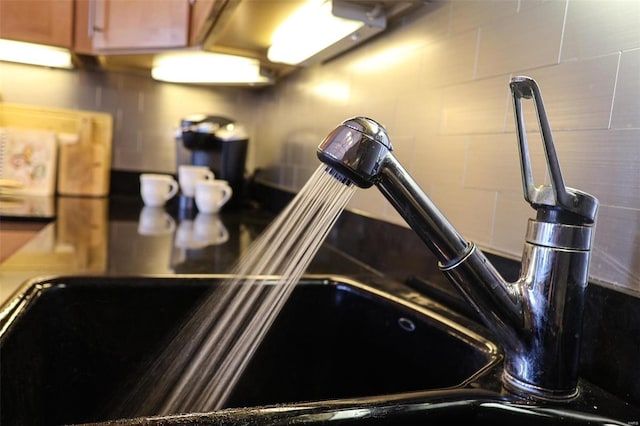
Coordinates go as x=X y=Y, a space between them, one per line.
x=341 y=351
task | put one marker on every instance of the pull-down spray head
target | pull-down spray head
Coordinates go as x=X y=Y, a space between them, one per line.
x=359 y=150
x=356 y=149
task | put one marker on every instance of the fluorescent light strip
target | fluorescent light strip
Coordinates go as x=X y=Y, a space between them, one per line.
x=207 y=68
x=35 y=54
x=309 y=30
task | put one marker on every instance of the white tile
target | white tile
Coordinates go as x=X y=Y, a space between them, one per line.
x=577 y=95
x=470 y=211
x=598 y=27
x=493 y=162
x=616 y=248
x=432 y=22
x=403 y=150
x=28 y=84
x=604 y=163
x=476 y=107
x=510 y=223
x=440 y=160
x=529 y=39
x=469 y=14
x=381 y=110
x=418 y=113
x=387 y=61
x=450 y=60
x=626 y=103
x=299 y=147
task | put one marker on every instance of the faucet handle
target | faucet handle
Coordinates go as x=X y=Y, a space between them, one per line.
x=556 y=195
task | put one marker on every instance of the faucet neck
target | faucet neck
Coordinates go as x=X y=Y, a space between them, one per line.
x=537 y=319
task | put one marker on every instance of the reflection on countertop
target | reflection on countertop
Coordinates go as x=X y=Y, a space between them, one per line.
x=75 y=242
x=15 y=205
x=118 y=236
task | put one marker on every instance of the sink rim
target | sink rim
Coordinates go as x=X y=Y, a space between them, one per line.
x=439 y=315
x=406 y=408
x=435 y=315
x=482 y=390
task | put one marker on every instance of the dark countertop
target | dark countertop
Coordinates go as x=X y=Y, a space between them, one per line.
x=113 y=237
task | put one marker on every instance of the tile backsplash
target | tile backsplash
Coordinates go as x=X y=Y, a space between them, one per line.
x=146 y=113
x=439 y=84
x=438 y=81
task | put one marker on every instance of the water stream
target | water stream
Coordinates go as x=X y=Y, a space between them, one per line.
x=198 y=369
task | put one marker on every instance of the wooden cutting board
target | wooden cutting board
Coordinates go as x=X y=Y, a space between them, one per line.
x=84 y=144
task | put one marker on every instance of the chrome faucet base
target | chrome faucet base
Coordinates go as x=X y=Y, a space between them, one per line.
x=528 y=391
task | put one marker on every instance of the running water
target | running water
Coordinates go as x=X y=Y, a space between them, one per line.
x=198 y=370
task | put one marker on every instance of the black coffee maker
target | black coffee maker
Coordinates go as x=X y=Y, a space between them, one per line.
x=217 y=142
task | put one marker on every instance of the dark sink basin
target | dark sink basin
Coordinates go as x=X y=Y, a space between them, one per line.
x=70 y=344
x=340 y=352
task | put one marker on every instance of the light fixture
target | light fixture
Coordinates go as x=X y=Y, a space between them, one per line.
x=198 y=67
x=35 y=54
x=321 y=29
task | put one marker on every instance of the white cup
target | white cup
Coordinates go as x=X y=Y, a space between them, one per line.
x=155 y=221
x=156 y=189
x=189 y=175
x=184 y=237
x=211 y=195
x=208 y=230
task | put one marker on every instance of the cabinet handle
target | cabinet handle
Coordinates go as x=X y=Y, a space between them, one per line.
x=92 y=28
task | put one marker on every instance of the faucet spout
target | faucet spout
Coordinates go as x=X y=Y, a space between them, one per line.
x=538 y=318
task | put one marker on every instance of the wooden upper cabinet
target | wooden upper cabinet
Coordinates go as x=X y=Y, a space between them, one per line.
x=111 y=26
x=104 y=26
x=37 y=21
x=203 y=12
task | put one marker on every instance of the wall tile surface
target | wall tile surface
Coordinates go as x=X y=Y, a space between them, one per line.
x=599 y=27
x=528 y=39
x=146 y=113
x=626 y=105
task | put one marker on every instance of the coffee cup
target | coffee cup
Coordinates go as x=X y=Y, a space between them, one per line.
x=209 y=230
x=155 y=221
x=211 y=195
x=184 y=237
x=156 y=189
x=188 y=176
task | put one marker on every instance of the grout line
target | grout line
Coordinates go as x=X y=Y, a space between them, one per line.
x=564 y=26
x=615 y=87
x=98 y=98
x=119 y=118
x=492 y=236
x=477 y=55
x=465 y=163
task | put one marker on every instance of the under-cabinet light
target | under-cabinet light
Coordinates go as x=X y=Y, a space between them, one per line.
x=35 y=54
x=321 y=29
x=207 y=68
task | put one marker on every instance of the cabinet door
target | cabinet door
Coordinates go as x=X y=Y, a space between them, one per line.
x=132 y=25
x=201 y=12
x=37 y=21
